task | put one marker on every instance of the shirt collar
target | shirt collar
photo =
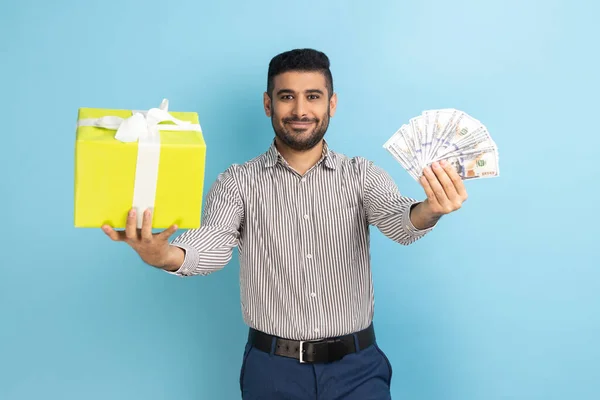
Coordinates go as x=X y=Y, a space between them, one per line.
x=272 y=156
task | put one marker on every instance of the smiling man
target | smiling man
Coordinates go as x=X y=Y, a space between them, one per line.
x=304 y=103
x=300 y=214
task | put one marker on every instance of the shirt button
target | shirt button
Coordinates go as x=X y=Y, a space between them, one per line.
x=303 y=180
x=309 y=256
x=316 y=330
x=313 y=295
x=306 y=216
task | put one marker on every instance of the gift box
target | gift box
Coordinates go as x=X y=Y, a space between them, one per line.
x=141 y=159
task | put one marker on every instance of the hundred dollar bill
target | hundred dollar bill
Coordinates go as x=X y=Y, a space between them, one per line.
x=437 y=121
x=402 y=148
x=443 y=122
x=475 y=140
x=399 y=149
x=428 y=118
x=418 y=127
x=460 y=127
x=410 y=142
x=476 y=149
x=480 y=164
x=397 y=155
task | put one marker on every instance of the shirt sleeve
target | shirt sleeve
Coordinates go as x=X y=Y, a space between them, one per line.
x=387 y=209
x=210 y=247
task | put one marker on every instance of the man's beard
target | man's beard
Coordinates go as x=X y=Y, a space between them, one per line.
x=291 y=137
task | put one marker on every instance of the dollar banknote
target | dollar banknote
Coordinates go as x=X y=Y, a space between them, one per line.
x=445 y=134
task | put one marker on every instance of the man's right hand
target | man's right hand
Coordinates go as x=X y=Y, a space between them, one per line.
x=153 y=248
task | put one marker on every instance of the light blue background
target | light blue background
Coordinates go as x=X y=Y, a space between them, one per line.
x=500 y=302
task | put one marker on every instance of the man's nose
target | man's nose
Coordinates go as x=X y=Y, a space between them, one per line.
x=300 y=108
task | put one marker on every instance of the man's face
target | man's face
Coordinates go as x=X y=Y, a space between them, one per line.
x=300 y=108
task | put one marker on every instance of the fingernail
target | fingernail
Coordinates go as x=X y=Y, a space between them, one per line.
x=132 y=212
x=443 y=162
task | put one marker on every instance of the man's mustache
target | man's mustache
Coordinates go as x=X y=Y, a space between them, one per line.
x=294 y=119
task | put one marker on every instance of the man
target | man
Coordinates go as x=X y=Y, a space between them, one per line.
x=300 y=214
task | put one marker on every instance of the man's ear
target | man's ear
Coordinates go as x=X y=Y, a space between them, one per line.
x=268 y=104
x=332 y=104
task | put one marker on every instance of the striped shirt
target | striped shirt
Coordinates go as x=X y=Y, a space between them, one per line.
x=303 y=240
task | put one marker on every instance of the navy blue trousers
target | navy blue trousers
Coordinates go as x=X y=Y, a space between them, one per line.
x=365 y=375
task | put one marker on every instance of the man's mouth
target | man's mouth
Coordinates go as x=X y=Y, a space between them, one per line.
x=299 y=124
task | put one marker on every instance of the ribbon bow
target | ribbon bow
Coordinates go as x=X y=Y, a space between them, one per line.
x=142 y=124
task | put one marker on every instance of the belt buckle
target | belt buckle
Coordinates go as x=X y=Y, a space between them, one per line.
x=301 y=351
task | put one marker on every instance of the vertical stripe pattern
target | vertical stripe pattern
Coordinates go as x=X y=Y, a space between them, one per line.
x=303 y=241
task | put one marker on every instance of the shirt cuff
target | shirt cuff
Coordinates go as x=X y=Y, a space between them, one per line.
x=410 y=228
x=190 y=261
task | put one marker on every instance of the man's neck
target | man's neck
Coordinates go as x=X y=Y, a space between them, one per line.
x=300 y=161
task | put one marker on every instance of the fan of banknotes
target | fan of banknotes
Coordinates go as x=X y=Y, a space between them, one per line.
x=445 y=134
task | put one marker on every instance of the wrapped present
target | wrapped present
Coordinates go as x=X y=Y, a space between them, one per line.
x=142 y=159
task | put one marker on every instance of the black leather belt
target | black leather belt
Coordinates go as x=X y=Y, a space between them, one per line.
x=317 y=351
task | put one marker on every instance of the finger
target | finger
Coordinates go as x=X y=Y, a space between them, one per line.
x=436 y=187
x=117 y=236
x=445 y=181
x=457 y=181
x=147 y=225
x=164 y=235
x=428 y=191
x=131 y=227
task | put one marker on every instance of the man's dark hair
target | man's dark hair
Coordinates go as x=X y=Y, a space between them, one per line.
x=302 y=60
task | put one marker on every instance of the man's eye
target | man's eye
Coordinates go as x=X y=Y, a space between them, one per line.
x=286 y=97
x=313 y=96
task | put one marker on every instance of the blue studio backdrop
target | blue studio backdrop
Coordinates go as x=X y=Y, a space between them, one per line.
x=499 y=302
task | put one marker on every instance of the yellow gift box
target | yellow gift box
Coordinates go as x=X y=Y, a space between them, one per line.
x=162 y=169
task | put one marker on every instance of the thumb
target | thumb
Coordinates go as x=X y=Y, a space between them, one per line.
x=164 y=235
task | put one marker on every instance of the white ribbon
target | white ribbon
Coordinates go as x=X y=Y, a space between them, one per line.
x=143 y=127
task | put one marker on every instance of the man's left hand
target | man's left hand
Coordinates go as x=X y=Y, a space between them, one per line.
x=445 y=192
x=444 y=188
